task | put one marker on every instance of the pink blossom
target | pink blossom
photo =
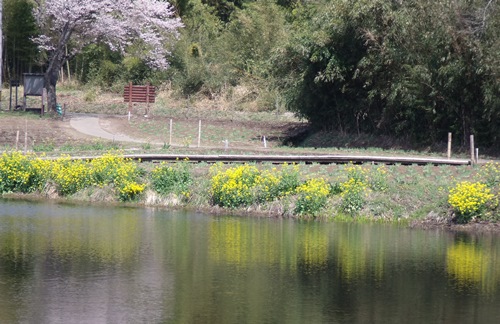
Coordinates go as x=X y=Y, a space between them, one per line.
x=117 y=23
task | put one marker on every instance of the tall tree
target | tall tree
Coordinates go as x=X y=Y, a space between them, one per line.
x=118 y=23
x=415 y=68
x=19 y=28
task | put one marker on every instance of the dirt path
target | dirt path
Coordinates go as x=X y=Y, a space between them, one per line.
x=90 y=125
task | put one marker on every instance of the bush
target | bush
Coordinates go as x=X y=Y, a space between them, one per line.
x=490 y=174
x=312 y=196
x=70 y=176
x=233 y=188
x=171 y=179
x=378 y=179
x=244 y=185
x=469 y=200
x=130 y=191
x=22 y=173
x=353 y=195
x=272 y=184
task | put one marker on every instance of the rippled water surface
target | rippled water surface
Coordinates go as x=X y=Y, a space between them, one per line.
x=87 y=264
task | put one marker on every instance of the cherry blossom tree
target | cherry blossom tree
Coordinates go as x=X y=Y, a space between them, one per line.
x=74 y=24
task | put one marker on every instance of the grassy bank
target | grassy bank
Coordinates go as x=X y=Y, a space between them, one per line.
x=393 y=193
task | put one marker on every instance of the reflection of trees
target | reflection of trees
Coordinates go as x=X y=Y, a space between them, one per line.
x=72 y=260
x=194 y=268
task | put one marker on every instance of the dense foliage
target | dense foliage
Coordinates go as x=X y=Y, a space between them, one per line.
x=416 y=69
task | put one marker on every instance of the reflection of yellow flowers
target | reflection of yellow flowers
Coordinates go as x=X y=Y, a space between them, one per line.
x=468 y=198
x=471 y=265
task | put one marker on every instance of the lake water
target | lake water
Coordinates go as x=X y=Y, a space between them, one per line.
x=94 y=264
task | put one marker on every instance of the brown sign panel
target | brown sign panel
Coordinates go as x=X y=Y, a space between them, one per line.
x=141 y=94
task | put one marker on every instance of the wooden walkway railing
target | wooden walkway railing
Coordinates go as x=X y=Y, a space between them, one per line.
x=307 y=159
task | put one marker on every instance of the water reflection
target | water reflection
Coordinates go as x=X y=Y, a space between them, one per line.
x=93 y=264
x=474 y=265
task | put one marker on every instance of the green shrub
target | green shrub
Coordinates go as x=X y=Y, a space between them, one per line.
x=272 y=184
x=490 y=174
x=167 y=179
x=353 y=196
x=378 y=179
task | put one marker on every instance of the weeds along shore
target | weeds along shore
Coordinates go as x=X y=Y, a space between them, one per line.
x=383 y=193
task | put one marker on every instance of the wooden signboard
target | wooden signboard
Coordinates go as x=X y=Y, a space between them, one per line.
x=140 y=94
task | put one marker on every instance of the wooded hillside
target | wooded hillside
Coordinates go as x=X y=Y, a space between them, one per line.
x=416 y=68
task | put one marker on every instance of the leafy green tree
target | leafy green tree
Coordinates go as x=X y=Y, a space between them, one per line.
x=214 y=55
x=415 y=68
x=19 y=27
x=224 y=8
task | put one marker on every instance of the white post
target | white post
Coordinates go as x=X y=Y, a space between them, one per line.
x=129 y=115
x=265 y=142
x=199 y=133
x=226 y=144
x=477 y=154
x=170 y=133
x=472 y=157
x=26 y=137
x=449 y=146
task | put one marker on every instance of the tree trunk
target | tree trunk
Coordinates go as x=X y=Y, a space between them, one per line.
x=51 y=76
x=56 y=60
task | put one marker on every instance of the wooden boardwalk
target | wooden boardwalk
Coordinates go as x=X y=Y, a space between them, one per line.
x=307 y=159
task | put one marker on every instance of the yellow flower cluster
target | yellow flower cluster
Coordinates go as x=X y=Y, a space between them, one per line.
x=490 y=174
x=70 y=176
x=469 y=198
x=375 y=178
x=21 y=173
x=246 y=184
x=312 y=196
x=27 y=173
x=353 y=192
x=357 y=172
x=232 y=188
x=131 y=190
x=352 y=186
